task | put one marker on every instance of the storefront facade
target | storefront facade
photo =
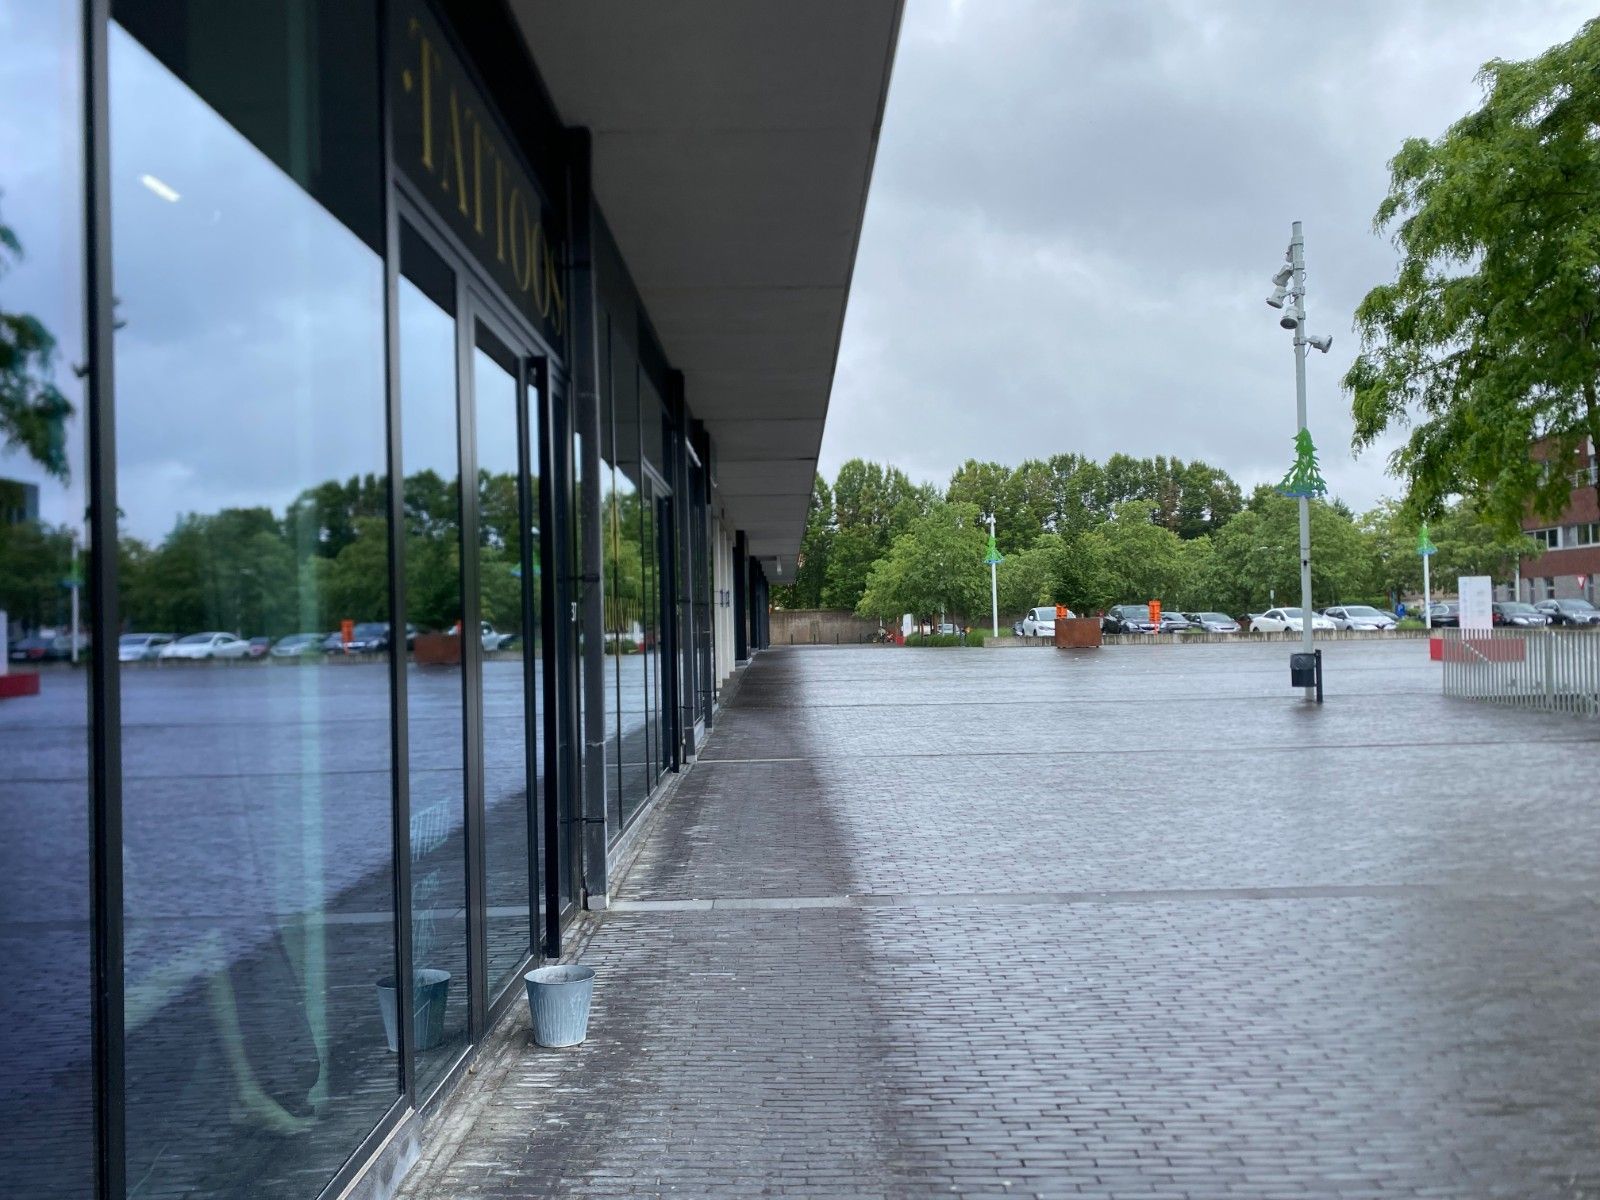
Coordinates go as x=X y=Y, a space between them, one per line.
x=380 y=562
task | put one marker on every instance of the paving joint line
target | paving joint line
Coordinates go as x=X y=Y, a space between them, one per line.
x=862 y=900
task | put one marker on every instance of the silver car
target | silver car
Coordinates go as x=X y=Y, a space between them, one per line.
x=1359 y=616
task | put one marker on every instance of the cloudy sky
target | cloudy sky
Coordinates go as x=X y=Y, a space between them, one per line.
x=1077 y=207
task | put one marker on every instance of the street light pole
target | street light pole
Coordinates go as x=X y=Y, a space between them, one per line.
x=994 y=579
x=1297 y=259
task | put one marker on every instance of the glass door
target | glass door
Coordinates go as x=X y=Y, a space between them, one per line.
x=438 y=990
x=506 y=414
x=474 y=402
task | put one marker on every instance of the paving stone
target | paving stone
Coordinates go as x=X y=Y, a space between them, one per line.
x=1240 y=968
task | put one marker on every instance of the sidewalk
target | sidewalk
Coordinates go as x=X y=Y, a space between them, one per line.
x=938 y=922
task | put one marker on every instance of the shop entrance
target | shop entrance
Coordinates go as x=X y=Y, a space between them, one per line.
x=486 y=569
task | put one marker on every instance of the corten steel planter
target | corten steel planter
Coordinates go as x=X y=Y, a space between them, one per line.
x=436 y=650
x=1077 y=633
x=558 y=998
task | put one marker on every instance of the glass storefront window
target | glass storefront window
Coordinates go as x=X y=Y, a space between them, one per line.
x=251 y=417
x=611 y=552
x=511 y=704
x=46 y=1100
x=627 y=600
x=435 y=677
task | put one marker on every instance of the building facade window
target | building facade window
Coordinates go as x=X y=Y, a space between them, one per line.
x=1548 y=539
x=252 y=478
x=46 y=1086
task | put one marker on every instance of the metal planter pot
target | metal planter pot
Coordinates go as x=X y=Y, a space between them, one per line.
x=431 y=990
x=558 y=998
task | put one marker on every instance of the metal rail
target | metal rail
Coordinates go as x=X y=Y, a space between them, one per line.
x=1549 y=670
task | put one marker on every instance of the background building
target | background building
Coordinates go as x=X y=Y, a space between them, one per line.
x=488 y=348
x=1571 y=557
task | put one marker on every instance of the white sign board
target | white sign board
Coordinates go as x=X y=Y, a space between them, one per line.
x=908 y=625
x=1477 y=594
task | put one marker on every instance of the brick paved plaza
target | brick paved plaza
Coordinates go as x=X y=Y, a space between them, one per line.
x=1044 y=924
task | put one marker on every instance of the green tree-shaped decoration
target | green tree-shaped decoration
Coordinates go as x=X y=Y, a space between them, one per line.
x=1304 y=478
x=993 y=554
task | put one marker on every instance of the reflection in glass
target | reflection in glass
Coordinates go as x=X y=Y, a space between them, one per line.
x=611 y=552
x=502 y=580
x=258 y=849
x=626 y=600
x=46 y=1133
x=436 y=747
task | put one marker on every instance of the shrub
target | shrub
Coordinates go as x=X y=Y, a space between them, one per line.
x=942 y=640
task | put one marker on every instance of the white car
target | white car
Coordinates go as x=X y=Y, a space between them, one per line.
x=1359 y=616
x=1286 y=620
x=1041 y=622
x=206 y=645
x=136 y=647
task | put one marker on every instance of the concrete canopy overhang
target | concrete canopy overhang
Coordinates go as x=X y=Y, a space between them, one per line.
x=733 y=144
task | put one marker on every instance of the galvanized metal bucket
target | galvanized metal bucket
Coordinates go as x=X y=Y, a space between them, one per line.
x=559 y=998
x=431 y=994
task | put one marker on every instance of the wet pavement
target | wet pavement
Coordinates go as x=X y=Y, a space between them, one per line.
x=1136 y=922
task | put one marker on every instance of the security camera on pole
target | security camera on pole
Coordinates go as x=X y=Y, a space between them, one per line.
x=1304 y=480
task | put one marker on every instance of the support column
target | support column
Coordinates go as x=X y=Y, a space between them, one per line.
x=741 y=612
x=586 y=401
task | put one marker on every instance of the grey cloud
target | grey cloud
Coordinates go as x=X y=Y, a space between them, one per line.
x=1076 y=208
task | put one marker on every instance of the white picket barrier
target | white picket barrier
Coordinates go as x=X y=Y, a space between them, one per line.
x=1551 y=670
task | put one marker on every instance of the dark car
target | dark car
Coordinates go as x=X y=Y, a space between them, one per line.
x=33 y=649
x=1176 y=622
x=1444 y=614
x=1127 y=618
x=259 y=646
x=1570 y=612
x=369 y=637
x=1520 y=616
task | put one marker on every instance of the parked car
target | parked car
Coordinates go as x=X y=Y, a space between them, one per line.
x=1213 y=622
x=1521 y=616
x=492 y=639
x=297 y=644
x=1359 y=616
x=1016 y=629
x=1041 y=621
x=141 y=647
x=947 y=629
x=1127 y=618
x=32 y=649
x=1286 y=620
x=1444 y=614
x=333 y=643
x=369 y=637
x=206 y=645
x=259 y=646
x=1175 y=622
x=1570 y=612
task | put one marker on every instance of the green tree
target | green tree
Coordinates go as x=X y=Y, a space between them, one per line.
x=1027 y=577
x=811 y=574
x=33 y=412
x=872 y=505
x=1489 y=331
x=1256 y=556
x=36 y=558
x=936 y=566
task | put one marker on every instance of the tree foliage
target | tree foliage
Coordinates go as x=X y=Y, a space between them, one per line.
x=1486 y=341
x=935 y=566
x=33 y=412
